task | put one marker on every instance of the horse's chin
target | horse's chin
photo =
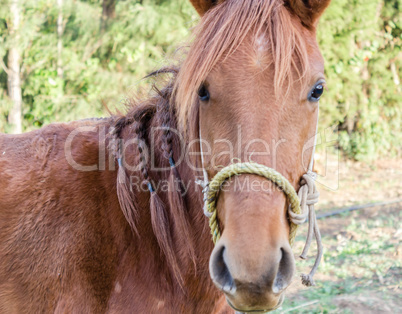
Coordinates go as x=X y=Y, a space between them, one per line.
x=238 y=311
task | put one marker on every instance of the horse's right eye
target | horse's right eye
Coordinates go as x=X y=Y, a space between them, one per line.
x=203 y=93
x=316 y=92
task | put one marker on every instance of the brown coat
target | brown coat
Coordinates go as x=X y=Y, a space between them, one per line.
x=65 y=245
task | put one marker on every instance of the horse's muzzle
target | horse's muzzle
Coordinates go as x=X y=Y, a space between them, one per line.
x=252 y=283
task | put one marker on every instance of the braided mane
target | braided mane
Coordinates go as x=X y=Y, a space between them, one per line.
x=157 y=110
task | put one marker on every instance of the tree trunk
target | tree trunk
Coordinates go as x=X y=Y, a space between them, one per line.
x=108 y=12
x=59 y=39
x=14 y=79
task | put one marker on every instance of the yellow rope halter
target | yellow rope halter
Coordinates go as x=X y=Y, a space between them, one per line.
x=248 y=168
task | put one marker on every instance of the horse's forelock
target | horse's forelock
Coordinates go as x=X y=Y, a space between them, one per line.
x=220 y=33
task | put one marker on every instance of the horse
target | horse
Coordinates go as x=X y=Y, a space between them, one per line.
x=104 y=215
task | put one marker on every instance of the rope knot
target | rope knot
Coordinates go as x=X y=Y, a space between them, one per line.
x=308 y=195
x=312 y=174
x=205 y=190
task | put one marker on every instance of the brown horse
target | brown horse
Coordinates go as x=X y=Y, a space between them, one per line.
x=104 y=216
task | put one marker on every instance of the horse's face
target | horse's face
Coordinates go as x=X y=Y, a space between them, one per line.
x=250 y=108
x=242 y=119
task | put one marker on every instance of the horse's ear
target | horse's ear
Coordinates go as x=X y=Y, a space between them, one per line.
x=203 y=6
x=308 y=11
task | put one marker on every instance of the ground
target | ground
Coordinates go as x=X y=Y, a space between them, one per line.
x=361 y=271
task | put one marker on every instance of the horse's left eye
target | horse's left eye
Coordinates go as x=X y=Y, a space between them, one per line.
x=203 y=93
x=316 y=93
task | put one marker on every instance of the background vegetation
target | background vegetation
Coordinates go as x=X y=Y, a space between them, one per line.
x=76 y=54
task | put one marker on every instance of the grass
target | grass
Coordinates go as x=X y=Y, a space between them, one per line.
x=361 y=270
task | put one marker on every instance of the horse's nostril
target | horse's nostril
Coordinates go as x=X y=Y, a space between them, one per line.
x=285 y=271
x=220 y=273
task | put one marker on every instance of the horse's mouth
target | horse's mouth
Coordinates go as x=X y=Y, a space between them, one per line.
x=239 y=311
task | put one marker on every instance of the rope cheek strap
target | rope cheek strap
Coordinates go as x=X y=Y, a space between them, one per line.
x=301 y=204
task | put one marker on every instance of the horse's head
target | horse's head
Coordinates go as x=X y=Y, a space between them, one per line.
x=255 y=74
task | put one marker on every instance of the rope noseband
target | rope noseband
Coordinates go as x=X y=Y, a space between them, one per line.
x=248 y=168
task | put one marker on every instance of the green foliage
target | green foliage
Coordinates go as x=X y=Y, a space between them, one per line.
x=100 y=66
x=360 y=41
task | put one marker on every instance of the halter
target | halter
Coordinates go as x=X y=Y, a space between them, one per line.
x=301 y=204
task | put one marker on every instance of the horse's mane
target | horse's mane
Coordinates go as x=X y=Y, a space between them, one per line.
x=220 y=33
x=141 y=115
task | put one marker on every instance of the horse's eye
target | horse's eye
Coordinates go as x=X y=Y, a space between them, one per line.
x=203 y=93
x=316 y=93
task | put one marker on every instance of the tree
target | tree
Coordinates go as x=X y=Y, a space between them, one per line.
x=59 y=39
x=14 y=79
x=108 y=12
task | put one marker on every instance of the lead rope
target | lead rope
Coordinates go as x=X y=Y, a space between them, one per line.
x=301 y=205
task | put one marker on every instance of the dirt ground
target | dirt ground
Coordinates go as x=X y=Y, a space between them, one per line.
x=361 y=271
x=344 y=183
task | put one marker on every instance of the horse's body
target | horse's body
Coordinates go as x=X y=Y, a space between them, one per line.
x=65 y=244
x=87 y=227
